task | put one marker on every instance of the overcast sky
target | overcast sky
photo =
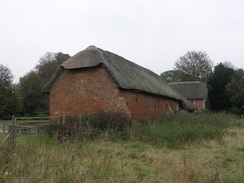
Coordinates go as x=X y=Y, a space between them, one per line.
x=151 y=33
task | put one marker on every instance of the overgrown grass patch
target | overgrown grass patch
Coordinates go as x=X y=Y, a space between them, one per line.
x=203 y=148
x=2 y=136
x=166 y=130
x=177 y=129
x=42 y=159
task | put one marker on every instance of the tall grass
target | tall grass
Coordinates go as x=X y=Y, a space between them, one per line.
x=42 y=159
x=130 y=154
x=177 y=129
x=166 y=130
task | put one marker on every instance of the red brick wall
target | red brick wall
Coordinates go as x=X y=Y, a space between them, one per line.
x=91 y=90
x=138 y=104
x=82 y=91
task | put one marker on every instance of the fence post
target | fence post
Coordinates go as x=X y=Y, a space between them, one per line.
x=3 y=128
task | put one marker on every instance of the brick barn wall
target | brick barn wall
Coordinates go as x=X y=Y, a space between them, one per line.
x=142 y=105
x=91 y=90
x=82 y=91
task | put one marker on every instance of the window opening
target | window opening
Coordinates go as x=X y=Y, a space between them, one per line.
x=148 y=106
x=155 y=106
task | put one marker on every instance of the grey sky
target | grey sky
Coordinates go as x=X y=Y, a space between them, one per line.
x=151 y=33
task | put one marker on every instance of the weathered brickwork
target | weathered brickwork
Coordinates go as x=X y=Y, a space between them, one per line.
x=82 y=91
x=91 y=90
x=142 y=105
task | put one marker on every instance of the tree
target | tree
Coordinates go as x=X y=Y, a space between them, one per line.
x=49 y=63
x=30 y=86
x=61 y=57
x=217 y=81
x=235 y=91
x=7 y=97
x=171 y=76
x=194 y=66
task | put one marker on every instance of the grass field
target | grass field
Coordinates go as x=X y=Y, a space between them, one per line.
x=200 y=159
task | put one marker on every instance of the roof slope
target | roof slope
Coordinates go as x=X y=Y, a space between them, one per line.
x=126 y=74
x=191 y=90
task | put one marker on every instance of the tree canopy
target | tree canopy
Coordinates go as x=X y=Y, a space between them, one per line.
x=171 y=76
x=7 y=97
x=217 y=81
x=30 y=86
x=194 y=66
x=235 y=91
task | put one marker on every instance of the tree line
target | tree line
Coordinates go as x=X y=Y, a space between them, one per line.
x=25 y=98
x=224 y=82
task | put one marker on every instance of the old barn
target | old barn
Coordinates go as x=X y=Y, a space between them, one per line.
x=194 y=91
x=95 y=80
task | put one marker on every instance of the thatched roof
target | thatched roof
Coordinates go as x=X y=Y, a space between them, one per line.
x=191 y=90
x=125 y=74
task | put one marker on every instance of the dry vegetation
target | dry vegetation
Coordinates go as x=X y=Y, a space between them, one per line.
x=42 y=159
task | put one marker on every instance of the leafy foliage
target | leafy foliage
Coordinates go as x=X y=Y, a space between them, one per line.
x=30 y=86
x=193 y=66
x=218 y=98
x=7 y=96
x=171 y=76
x=49 y=63
x=235 y=91
x=33 y=101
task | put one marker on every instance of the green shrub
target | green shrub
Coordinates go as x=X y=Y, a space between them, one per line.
x=104 y=125
x=170 y=130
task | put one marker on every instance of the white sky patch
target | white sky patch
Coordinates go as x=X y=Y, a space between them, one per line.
x=151 y=33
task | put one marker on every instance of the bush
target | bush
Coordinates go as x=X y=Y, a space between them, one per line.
x=170 y=130
x=110 y=120
x=89 y=127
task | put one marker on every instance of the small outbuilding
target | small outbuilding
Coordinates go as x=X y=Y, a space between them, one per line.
x=95 y=80
x=194 y=91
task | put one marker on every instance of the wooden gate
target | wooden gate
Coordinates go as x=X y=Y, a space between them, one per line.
x=18 y=128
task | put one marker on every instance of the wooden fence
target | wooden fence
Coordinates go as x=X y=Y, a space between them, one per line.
x=13 y=129
x=4 y=128
x=25 y=127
